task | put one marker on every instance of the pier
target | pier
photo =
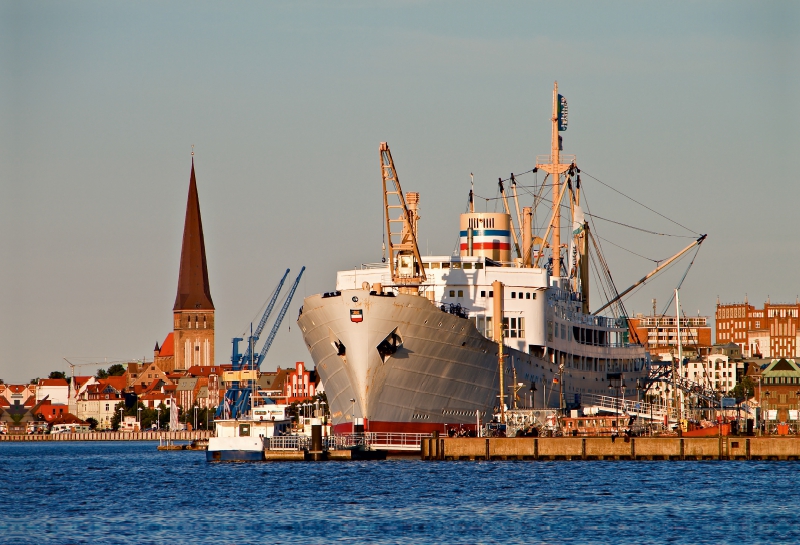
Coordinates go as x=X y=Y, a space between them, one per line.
x=606 y=448
x=113 y=436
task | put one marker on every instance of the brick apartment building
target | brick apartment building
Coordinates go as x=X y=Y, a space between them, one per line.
x=770 y=332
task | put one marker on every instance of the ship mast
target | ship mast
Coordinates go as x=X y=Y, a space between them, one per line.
x=556 y=169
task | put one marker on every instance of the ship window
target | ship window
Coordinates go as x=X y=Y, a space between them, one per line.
x=533 y=296
x=478 y=265
x=426 y=265
x=483 y=293
x=461 y=293
x=514 y=327
x=491 y=293
x=446 y=265
x=513 y=295
x=456 y=265
x=435 y=265
x=466 y=265
x=527 y=295
x=452 y=293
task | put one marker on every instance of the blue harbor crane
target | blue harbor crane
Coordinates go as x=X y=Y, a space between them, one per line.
x=237 y=397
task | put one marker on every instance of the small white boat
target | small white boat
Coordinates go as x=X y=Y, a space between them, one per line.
x=243 y=440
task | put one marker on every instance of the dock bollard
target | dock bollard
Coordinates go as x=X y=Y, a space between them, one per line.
x=435 y=449
x=316 y=453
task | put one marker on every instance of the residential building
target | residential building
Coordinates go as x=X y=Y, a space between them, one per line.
x=51 y=411
x=99 y=400
x=779 y=390
x=55 y=390
x=769 y=332
x=714 y=371
x=659 y=333
x=297 y=384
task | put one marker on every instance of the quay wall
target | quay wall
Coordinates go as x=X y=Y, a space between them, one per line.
x=114 y=436
x=604 y=448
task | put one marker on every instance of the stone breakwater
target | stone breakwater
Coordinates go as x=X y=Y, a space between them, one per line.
x=115 y=436
x=603 y=448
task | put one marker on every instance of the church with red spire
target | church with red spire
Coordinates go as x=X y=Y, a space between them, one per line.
x=191 y=342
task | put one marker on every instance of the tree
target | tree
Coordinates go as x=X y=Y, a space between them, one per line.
x=115 y=420
x=744 y=390
x=116 y=370
x=92 y=423
x=101 y=373
x=57 y=374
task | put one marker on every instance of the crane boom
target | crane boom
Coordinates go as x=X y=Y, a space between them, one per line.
x=652 y=273
x=264 y=318
x=405 y=262
x=278 y=320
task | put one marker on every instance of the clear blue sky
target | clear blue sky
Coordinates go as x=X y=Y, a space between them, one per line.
x=689 y=107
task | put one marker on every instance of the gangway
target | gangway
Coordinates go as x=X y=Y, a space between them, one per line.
x=640 y=409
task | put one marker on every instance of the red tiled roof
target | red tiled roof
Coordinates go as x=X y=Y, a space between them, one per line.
x=52 y=382
x=167 y=347
x=69 y=418
x=206 y=370
x=118 y=383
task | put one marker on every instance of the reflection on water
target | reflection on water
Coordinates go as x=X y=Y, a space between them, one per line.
x=131 y=493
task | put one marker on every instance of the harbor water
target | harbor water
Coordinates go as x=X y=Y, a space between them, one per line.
x=119 y=492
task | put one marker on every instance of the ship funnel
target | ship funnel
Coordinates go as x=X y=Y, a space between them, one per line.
x=490 y=235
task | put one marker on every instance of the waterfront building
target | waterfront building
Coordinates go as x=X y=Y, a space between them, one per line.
x=779 y=390
x=768 y=332
x=56 y=390
x=298 y=384
x=714 y=371
x=659 y=334
x=191 y=342
x=51 y=411
x=18 y=394
x=147 y=378
x=98 y=399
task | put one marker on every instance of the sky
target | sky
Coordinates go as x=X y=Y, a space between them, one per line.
x=690 y=108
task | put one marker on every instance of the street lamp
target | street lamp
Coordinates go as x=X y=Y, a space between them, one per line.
x=195 y=417
x=119 y=427
x=353 y=413
x=139 y=416
x=533 y=395
x=158 y=421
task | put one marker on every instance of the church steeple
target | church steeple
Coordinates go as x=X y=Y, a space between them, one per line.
x=193 y=326
x=194 y=292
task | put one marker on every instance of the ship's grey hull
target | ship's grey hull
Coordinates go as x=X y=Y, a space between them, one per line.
x=443 y=372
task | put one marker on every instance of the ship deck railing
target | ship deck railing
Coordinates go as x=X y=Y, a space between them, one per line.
x=640 y=409
x=382 y=440
x=371 y=440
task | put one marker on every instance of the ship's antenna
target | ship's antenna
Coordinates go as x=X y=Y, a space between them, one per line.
x=471 y=193
x=192 y=150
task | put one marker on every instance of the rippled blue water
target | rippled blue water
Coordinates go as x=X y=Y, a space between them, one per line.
x=131 y=493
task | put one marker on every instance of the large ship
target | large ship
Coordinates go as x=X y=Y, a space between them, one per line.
x=431 y=343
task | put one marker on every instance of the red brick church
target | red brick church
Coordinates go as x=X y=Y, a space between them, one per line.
x=191 y=342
